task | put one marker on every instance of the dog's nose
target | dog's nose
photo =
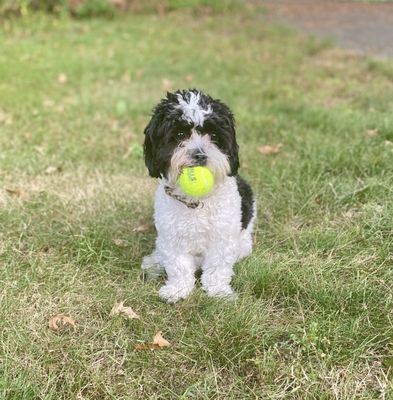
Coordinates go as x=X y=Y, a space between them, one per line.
x=199 y=157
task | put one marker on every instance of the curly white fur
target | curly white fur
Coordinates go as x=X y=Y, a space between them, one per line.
x=209 y=237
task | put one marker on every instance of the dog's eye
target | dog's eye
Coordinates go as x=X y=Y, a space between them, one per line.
x=180 y=135
x=213 y=136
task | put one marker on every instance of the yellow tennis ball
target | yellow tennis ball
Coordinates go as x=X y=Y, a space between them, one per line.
x=196 y=181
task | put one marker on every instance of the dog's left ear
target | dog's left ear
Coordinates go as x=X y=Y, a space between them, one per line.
x=225 y=123
x=150 y=149
x=233 y=151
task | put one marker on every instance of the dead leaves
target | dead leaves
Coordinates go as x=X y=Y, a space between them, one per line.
x=52 y=170
x=127 y=312
x=159 y=342
x=60 y=323
x=143 y=228
x=270 y=150
x=20 y=193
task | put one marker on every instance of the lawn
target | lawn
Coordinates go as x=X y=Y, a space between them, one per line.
x=314 y=315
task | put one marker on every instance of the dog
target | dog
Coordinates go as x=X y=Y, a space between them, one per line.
x=190 y=128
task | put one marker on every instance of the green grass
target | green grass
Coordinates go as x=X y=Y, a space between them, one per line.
x=314 y=316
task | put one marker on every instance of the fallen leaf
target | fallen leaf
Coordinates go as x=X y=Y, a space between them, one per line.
x=372 y=133
x=120 y=242
x=166 y=85
x=15 y=192
x=120 y=309
x=51 y=170
x=62 y=78
x=159 y=342
x=61 y=321
x=189 y=77
x=143 y=228
x=267 y=149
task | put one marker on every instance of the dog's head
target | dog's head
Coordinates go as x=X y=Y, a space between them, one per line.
x=190 y=128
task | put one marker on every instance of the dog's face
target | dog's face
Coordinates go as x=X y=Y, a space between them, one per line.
x=189 y=128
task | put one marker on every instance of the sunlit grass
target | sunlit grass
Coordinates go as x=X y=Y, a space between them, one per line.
x=313 y=320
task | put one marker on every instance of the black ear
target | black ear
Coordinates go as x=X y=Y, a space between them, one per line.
x=234 y=159
x=233 y=147
x=233 y=151
x=150 y=150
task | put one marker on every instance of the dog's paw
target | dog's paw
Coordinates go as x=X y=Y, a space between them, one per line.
x=172 y=293
x=224 y=291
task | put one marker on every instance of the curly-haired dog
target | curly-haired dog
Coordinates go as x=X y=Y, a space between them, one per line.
x=190 y=128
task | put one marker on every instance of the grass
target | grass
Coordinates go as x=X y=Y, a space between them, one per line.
x=314 y=316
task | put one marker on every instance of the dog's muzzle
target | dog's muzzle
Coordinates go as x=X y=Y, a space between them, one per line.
x=199 y=158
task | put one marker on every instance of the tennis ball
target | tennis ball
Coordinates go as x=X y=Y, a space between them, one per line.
x=196 y=181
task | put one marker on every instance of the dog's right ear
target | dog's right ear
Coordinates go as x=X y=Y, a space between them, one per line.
x=150 y=149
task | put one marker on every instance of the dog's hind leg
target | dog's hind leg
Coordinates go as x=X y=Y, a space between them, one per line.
x=151 y=267
x=246 y=237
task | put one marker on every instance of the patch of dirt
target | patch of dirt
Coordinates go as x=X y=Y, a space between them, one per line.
x=362 y=27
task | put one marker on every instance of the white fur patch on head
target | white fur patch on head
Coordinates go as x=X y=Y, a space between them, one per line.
x=193 y=113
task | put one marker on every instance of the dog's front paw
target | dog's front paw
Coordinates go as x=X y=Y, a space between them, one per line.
x=220 y=291
x=172 y=293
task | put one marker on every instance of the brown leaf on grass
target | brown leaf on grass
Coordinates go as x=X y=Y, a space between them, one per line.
x=166 y=85
x=269 y=150
x=120 y=309
x=62 y=78
x=143 y=228
x=15 y=192
x=120 y=242
x=189 y=77
x=51 y=170
x=372 y=133
x=61 y=321
x=159 y=342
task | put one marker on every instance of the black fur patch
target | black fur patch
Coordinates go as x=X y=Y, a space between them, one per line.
x=247 y=201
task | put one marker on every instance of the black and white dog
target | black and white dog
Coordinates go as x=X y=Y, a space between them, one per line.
x=190 y=128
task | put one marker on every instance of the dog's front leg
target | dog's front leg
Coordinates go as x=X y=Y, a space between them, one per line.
x=180 y=270
x=217 y=270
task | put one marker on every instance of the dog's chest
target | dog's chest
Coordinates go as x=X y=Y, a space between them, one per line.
x=218 y=216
